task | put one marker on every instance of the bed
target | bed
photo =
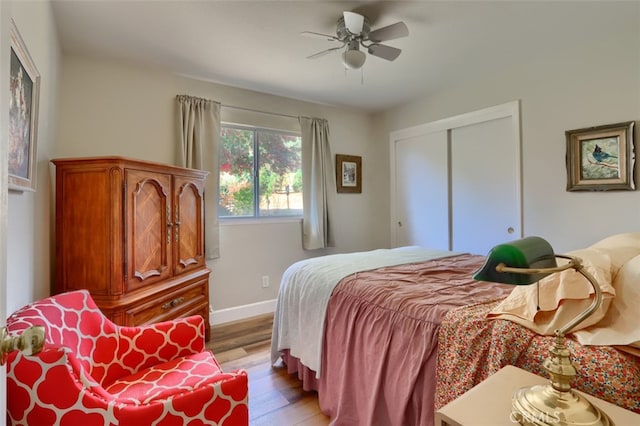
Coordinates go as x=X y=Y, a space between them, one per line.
x=361 y=329
x=365 y=330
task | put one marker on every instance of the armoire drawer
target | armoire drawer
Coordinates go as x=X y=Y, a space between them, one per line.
x=176 y=304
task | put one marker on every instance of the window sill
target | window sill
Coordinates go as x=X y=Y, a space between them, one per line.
x=259 y=221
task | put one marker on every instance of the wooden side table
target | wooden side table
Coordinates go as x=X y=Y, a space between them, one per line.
x=489 y=402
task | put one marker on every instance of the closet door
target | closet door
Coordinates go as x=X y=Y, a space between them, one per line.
x=421 y=197
x=485 y=186
x=456 y=182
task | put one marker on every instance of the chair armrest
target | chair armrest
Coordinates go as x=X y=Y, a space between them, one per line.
x=52 y=378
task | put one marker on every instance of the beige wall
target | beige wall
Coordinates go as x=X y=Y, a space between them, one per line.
x=589 y=77
x=111 y=108
x=29 y=240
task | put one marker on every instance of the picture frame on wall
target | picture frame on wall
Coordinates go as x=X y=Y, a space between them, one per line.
x=601 y=158
x=24 y=98
x=349 y=173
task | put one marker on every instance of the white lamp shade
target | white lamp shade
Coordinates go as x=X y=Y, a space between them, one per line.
x=353 y=59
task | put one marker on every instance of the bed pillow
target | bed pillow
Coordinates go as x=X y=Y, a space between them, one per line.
x=620 y=248
x=621 y=324
x=562 y=296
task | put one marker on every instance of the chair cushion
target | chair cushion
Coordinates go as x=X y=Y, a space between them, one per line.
x=167 y=379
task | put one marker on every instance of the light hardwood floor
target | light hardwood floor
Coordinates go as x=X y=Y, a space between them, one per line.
x=275 y=397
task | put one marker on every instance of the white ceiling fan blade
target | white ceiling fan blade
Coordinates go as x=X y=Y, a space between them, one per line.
x=390 y=32
x=319 y=35
x=324 y=52
x=354 y=22
x=385 y=52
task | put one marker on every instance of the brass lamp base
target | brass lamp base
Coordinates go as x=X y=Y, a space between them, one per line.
x=543 y=405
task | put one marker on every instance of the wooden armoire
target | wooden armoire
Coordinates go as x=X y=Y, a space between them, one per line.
x=132 y=233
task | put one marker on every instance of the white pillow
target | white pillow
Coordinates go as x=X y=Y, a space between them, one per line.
x=620 y=248
x=621 y=324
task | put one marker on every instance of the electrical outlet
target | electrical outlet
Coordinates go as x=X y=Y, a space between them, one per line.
x=265 y=281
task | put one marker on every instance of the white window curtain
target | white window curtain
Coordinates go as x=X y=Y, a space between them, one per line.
x=318 y=180
x=198 y=139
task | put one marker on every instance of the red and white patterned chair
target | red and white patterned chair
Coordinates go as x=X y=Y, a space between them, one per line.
x=94 y=372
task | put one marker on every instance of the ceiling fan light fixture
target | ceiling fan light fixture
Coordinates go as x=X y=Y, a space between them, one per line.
x=353 y=59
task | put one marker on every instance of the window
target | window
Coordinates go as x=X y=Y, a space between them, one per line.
x=260 y=173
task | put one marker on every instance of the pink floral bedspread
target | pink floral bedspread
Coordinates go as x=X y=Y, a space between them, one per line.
x=472 y=347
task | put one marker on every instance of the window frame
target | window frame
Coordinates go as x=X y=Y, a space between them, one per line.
x=256 y=177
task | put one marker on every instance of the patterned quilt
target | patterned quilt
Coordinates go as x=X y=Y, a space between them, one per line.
x=472 y=347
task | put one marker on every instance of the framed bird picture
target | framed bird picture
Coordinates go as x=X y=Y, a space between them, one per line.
x=601 y=158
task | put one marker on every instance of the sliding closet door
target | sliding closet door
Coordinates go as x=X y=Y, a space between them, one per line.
x=484 y=186
x=421 y=191
x=456 y=182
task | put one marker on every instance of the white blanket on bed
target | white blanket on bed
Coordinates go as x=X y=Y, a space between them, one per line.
x=305 y=290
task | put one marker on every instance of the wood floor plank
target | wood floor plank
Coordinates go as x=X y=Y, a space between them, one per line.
x=232 y=355
x=292 y=414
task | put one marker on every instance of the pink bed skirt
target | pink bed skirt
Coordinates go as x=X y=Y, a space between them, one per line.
x=306 y=375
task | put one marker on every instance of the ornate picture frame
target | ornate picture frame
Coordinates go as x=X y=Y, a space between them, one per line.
x=349 y=173
x=23 y=115
x=601 y=158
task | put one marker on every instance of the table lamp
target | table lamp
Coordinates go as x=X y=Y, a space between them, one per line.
x=524 y=262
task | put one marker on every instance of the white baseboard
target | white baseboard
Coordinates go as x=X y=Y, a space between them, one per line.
x=236 y=313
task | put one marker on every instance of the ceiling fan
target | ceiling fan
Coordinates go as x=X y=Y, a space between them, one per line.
x=354 y=31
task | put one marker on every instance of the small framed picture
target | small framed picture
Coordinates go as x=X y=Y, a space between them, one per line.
x=601 y=158
x=349 y=173
x=23 y=115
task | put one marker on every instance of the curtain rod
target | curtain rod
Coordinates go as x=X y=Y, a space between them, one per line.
x=260 y=111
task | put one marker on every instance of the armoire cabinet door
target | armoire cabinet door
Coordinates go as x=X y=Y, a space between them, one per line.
x=188 y=219
x=149 y=227
x=88 y=239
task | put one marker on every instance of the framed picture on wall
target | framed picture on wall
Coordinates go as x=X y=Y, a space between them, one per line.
x=349 y=173
x=601 y=158
x=24 y=96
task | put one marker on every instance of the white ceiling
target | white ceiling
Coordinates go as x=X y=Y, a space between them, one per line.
x=257 y=44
